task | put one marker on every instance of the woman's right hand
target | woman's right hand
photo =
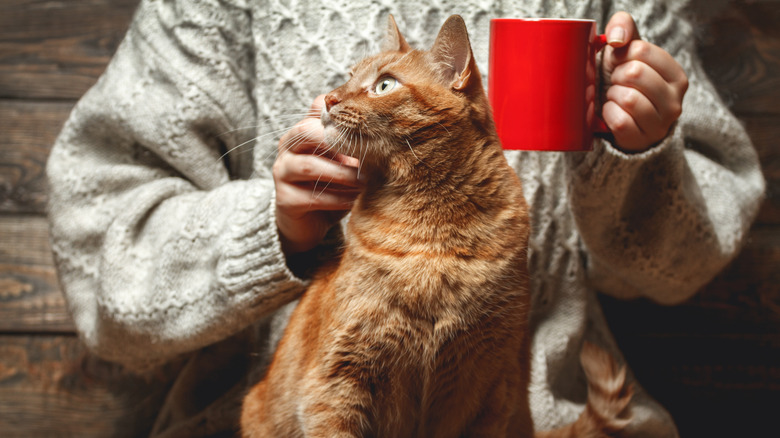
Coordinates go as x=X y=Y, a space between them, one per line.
x=314 y=187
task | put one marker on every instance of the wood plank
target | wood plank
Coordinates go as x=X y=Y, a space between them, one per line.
x=51 y=386
x=57 y=49
x=29 y=130
x=740 y=49
x=30 y=297
x=748 y=290
x=764 y=132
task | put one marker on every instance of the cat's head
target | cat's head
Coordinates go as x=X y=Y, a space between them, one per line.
x=400 y=105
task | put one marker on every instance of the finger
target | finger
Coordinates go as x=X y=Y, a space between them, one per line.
x=299 y=168
x=299 y=200
x=317 y=105
x=641 y=110
x=657 y=58
x=306 y=136
x=627 y=133
x=650 y=83
x=346 y=160
x=621 y=29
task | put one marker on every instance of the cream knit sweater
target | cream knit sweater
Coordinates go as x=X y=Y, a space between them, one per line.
x=162 y=202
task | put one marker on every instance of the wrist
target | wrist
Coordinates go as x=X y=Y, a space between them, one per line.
x=290 y=245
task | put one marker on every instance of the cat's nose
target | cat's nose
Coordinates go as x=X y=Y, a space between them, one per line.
x=330 y=100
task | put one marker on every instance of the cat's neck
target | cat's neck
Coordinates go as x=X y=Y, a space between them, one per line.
x=438 y=233
x=449 y=172
x=438 y=195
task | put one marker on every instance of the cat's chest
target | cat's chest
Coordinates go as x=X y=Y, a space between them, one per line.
x=419 y=306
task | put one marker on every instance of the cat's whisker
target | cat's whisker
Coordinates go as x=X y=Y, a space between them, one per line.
x=324 y=188
x=340 y=139
x=294 y=141
x=254 y=139
x=222 y=157
x=283 y=116
x=363 y=151
x=240 y=128
x=327 y=149
x=351 y=146
x=291 y=143
x=415 y=154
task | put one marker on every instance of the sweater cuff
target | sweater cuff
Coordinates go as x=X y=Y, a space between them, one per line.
x=253 y=269
x=601 y=166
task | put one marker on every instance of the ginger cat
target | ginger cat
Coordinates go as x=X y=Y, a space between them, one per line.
x=420 y=328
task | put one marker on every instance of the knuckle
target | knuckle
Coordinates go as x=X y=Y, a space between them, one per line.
x=684 y=84
x=286 y=140
x=633 y=71
x=640 y=49
x=277 y=169
x=305 y=169
x=630 y=99
x=676 y=110
x=622 y=123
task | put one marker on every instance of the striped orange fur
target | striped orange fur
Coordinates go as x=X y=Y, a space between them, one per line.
x=420 y=328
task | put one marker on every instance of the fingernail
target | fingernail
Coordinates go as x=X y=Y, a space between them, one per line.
x=616 y=35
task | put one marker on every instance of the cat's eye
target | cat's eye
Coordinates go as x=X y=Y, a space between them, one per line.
x=385 y=85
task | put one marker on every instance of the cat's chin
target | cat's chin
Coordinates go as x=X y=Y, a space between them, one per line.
x=333 y=137
x=325 y=118
x=332 y=134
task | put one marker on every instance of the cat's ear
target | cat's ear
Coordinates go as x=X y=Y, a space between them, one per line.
x=393 y=40
x=452 y=53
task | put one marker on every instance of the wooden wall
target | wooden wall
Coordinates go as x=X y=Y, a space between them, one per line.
x=714 y=361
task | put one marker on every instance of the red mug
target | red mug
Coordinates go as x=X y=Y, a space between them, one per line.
x=542 y=83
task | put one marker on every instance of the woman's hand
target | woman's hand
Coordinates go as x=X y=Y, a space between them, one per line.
x=644 y=87
x=314 y=187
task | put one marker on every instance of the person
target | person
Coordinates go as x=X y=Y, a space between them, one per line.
x=181 y=236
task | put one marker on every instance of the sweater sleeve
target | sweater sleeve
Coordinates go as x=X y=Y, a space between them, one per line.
x=661 y=224
x=159 y=250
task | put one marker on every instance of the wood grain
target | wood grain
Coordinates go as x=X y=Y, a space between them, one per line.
x=29 y=130
x=50 y=386
x=740 y=49
x=57 y=49
x=764 y=131
x=30 y=298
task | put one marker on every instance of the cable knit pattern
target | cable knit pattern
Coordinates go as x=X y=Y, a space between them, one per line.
x=161 y=204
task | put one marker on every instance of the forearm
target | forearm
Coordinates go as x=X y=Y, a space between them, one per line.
x=164 y=268
x=160 y=250
x=663 y=223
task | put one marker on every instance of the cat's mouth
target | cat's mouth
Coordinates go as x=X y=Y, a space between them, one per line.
x=344 y=131
x=325 y=118
x=342 y=119
x=350 y=136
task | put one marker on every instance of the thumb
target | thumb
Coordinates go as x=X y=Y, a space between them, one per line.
x=316 y=106
x=621 y=30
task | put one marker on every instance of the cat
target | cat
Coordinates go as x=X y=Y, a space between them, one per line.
x=420 y=327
